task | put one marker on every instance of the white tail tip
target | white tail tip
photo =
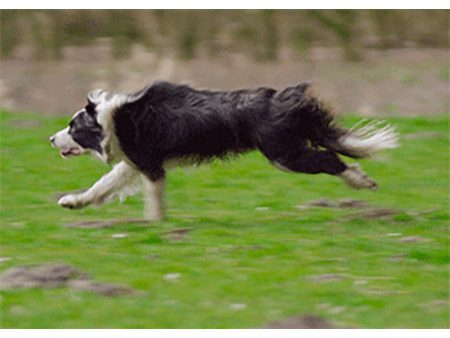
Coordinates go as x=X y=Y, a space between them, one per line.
x=369 y=138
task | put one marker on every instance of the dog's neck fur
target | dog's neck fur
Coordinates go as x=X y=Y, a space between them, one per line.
x=106 y=106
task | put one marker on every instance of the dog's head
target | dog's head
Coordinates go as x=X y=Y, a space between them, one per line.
x=86 y=131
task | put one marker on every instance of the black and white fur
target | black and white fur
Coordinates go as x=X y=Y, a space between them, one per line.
x=165 y=123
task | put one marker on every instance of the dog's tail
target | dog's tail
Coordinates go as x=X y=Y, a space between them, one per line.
x=364 y=139
x=300 y=106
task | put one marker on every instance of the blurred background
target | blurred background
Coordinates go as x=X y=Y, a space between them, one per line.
x=369 y=62
x=244 y=245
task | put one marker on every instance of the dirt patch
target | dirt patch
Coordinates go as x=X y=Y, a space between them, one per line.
x=351 y=203
x=153 y=257
x=176 y=235
x=44 y=276
x=109 y=290
x=365 y=210
x=436 y=305
x=56 y=276
x=398 y=258
x=105 y=223
x=378 y=213
x=247 y=248
x=413 y=239
x=302 y=322
x=341 y=203
x=329 y=277
x=321 y=203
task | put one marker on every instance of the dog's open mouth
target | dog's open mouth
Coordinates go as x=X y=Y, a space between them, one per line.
x=70 y=152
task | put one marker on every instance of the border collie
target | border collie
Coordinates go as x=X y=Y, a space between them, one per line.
x=165 y=123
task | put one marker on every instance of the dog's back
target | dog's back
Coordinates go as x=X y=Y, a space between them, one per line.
x=173 y=121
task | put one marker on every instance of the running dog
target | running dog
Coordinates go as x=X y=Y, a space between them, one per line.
x=164 y=124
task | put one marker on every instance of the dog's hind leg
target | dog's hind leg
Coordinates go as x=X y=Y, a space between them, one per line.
x=153 y=198
x=153 y=179
x=313 y=161
x=119 y=182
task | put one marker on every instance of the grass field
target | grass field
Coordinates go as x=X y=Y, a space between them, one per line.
x=252 y=255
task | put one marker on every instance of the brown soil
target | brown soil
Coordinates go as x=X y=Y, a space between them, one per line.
x=341 y=203
x=176 y=235
x=56 y=276
x=302 y=322
x=364 y=210
x=378 y=213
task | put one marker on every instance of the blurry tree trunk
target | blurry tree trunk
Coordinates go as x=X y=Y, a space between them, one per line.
x=9 y=32
x=57 y=39
x=270 y=37
x=343 y=26
x=187 y=35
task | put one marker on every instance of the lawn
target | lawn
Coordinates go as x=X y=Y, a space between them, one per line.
x=254 y=251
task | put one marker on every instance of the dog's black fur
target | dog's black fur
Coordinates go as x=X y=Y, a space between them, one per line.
x=173 y=122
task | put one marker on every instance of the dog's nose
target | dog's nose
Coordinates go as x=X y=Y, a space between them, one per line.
x=52 y=139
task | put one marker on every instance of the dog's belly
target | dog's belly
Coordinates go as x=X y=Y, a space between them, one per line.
x=179 y=162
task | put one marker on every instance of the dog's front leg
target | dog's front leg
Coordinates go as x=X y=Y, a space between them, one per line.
x=104 y=189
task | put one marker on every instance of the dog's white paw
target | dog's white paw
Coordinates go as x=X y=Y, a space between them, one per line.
x=357 y=179
x=71 y=201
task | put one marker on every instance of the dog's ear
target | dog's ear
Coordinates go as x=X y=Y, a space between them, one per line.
x=96 y=96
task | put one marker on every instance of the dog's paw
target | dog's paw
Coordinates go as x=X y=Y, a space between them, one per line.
x=71 y=202
x=357 y=179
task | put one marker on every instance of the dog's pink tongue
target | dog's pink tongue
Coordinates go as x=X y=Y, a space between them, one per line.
x=71 y=151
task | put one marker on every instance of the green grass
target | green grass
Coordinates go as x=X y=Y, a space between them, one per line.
x=235 y=253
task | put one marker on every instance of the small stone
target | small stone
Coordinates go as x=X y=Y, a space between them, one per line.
x=4 y=259
x=326 y=278
x=336 y=310
x=360 y=282
x=393 y=234
x=413 y=239
x=119 y=236
x=262 y=209
x=323 y=306
x=172 y=276
x=238 y=306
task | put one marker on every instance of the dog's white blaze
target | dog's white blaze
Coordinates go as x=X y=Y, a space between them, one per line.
x=369 y=139
x=63 y=140
x=106 y=105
